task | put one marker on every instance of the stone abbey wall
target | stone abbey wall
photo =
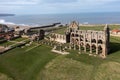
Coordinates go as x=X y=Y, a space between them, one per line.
x=58 y=38
x=94 y=42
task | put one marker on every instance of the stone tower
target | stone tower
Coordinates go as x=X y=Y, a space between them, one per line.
x=41 y=34
x=107 y=38
x=74 y=26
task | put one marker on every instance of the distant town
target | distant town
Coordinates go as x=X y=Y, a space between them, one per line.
x=7 y=14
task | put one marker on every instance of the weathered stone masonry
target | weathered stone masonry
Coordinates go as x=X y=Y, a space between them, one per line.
x=96 y=42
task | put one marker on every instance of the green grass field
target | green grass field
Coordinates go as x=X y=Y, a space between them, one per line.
x=20 y=39
x=24 y=64
x=6 y=43
x=97 y=28
x=39 y=63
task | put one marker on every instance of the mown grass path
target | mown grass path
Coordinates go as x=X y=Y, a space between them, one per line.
x=83 y=67
x=21 y=65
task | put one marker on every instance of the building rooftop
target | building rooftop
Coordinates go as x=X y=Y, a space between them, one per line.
x=116 y=30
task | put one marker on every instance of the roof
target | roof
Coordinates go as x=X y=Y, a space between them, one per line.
x=115 y=30
x=74 y=24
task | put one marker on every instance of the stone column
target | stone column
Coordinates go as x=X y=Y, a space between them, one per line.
x=91 y=49
x=84 y=42
x=103 y=55
x=79 y=47
x=74 y=47
x=90 y=42
x=96 y=49
x=96 y=42
x=70 y=46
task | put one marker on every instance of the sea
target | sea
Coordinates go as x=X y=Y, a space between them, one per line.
x=47 y=19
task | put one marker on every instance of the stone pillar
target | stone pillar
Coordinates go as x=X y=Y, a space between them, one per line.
x=91 y=42
x=74 y=47
x=96 y=42
x=60 y=47
x=79 y=47
x=96 y=49
x=70 y=46
x=84 y=42
x=103 y=55
x=85 y=48
x=91 y=49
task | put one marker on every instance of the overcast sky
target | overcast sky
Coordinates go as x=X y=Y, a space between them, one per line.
x=58 y=6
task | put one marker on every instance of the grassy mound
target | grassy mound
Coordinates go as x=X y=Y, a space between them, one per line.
x=108 y=71
x=63 y=68
x=24 y=64
x=4 y=77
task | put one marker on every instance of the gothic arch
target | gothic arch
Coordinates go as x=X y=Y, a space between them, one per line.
x=100 y=49
x=72 y=40
x=72 y=35
x=76 y=35
x=82 y=44
x=93 y=40
x=93 y=48
x=81 y=37
x=100 y=41
x=87 y=47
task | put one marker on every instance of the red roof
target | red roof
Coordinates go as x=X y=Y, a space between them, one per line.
x=115 y=30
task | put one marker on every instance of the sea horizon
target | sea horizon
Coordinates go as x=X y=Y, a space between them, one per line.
x=66 y=18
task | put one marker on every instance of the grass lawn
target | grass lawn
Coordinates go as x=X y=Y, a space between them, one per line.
x=83 y=67
x=97 y=28
x=19 y=39
x=39 y=63
x=6 y=43
x=24 y=65
x=61 y=31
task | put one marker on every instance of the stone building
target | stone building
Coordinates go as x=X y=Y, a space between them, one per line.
x=6 y=32
x=94 y=42
x=58 y=38
x=38 y=36
x=115 y=31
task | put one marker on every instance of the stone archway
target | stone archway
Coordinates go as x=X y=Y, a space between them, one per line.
x=87 y=47
x=93 y=40
x=72 y=40
x=81 y=37
x=82 y=45
x=100 y=41
x=93 y=48
x=72 y=35
x=100 y=50
x=76 y=35
x=76 y=41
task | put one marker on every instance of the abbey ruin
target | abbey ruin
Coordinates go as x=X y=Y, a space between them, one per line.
x=94 y=42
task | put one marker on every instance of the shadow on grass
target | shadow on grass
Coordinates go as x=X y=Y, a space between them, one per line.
x=85 y=58
x=114 y=47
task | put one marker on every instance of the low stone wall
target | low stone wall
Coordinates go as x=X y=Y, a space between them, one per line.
x=2 y=41
x=2 y=49
x=116 y=35
x=60 y=52
x=13 y=46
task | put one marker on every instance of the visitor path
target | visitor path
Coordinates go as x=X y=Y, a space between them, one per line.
x=116 y=35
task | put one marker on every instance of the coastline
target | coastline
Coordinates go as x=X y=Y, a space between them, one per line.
x=85 y=25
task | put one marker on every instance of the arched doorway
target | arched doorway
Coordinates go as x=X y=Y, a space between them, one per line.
x=93 y=49
x=87 y=47
x=100 y=49
x=100 y=41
